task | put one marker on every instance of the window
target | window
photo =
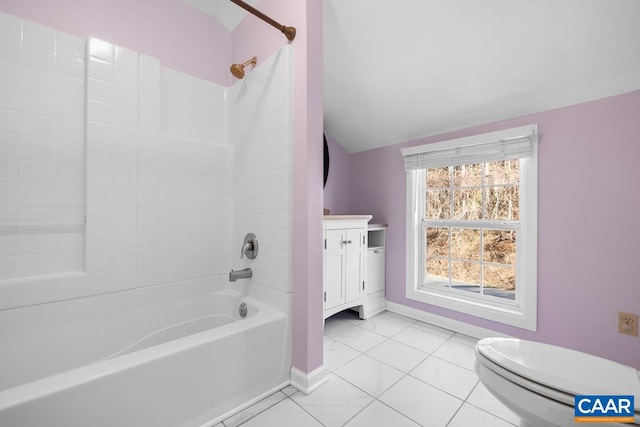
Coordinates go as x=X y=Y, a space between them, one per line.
x=472 y=225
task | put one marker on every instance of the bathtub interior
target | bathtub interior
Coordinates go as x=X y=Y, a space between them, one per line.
x=44 y=340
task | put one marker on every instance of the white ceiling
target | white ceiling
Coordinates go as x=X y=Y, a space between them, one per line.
x=397 y=70
x=227 y=13
x=403 y=69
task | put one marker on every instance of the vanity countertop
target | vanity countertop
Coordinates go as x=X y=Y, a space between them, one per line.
x=344 y=217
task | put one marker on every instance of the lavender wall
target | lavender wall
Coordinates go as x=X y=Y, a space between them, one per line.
x=180 y=36
x=254 y=37
x=337 y=192
x=589 y=199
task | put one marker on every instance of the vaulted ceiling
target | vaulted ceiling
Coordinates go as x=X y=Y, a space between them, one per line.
x=396 y=70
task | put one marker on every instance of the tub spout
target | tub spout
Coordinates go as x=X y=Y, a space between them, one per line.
x=245 y=273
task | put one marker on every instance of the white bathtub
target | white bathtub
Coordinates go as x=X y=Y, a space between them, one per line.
x=158 y=361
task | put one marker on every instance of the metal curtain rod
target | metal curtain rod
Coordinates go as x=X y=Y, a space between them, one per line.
x=289 y=32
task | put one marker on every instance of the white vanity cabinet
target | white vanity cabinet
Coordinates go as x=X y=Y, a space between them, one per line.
x=344 y=261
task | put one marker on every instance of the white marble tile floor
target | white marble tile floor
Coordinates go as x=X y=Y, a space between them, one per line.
x=386 y=371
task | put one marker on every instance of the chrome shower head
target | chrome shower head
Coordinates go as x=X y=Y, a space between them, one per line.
x=238 y=69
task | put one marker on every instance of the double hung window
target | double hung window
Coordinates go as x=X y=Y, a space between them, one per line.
x=472 y=225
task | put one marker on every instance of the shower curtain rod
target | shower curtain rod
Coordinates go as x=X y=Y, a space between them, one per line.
x=289 y=32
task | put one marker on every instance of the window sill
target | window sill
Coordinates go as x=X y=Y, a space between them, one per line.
x=504 y=313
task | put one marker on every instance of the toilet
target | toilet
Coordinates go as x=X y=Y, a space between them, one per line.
x=538 y=382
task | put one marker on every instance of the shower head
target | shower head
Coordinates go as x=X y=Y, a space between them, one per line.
x=238 y=69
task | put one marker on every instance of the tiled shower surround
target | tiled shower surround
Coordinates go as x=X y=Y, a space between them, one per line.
x=170 y=171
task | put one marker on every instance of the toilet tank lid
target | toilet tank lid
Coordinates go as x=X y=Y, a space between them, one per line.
x=562 y=369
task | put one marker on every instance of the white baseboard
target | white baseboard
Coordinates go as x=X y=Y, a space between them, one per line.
x=309 y=382
x=443 y=322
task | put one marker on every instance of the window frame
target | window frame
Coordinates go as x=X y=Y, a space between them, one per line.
x=520 y=313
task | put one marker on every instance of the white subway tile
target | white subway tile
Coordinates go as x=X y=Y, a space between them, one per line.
x=10 y=121
x=39 y=35
x=39 y=150
x=100 y=197
x=9 y=171
x=125 y=157
x=69 y=87
x=9 y=146
x=101 y=50
x=149 y=65
x=40 y=103
x=9 y=245
x=10 y=73
x=10 y=49
x=71 y=45
x=10 y=25
x=37 y=173
x=69 y=175
x=148 y=121
x=112 y=94
x=127 y=57
x=39 y=80
x=10 y=267
x=67 y=262
x=38 y=126
x=124 y=258
x=38 y=57
x=100 y=176
x=37 y=265
x=69 y=242
x=30 y=215
x=31 y=244
x=70 y=66
x=100 y=70
x=125 y=177
x=149 y=83
x=68 y=197
x=70 y=109
x=36 y=196
x=70 y=131
x=69 y=153
x=112 y=115
x=125 y=197
x=10 y=97
x=125 y=77
x=99 y=260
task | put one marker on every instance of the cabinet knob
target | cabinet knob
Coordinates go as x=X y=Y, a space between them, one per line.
x=347 y=242
x=376 y=251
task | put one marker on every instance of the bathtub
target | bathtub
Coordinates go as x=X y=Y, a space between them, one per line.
x=156 y=361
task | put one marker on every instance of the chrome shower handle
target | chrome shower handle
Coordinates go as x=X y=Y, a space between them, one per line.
x=249 y=246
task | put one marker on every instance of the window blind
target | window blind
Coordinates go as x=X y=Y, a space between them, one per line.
x=503 y=149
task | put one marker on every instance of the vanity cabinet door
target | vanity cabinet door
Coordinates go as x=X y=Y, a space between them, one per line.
x=334 y=268
x=355 y=252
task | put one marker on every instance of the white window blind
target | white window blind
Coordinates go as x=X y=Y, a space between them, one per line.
x=434 y=155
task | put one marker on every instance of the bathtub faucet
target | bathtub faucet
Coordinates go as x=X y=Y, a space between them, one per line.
x=245 y=273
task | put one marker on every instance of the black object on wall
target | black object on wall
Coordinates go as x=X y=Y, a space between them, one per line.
x=326 y=160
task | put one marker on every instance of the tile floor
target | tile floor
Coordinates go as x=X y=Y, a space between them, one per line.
x=386 y=371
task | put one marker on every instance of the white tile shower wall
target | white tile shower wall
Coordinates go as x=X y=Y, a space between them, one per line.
x=41 y=151
x=112 y=165
x=161 y=167
x=260 y=119
x=185 y=201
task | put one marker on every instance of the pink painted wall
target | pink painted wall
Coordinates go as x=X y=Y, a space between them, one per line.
x=337 y=192
x=254 y=37
x=588 y=234
x=180 y=36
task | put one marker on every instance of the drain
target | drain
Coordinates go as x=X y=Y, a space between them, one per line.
x=243 y=310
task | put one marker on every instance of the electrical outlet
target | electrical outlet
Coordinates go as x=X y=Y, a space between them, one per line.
x=628 y=323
